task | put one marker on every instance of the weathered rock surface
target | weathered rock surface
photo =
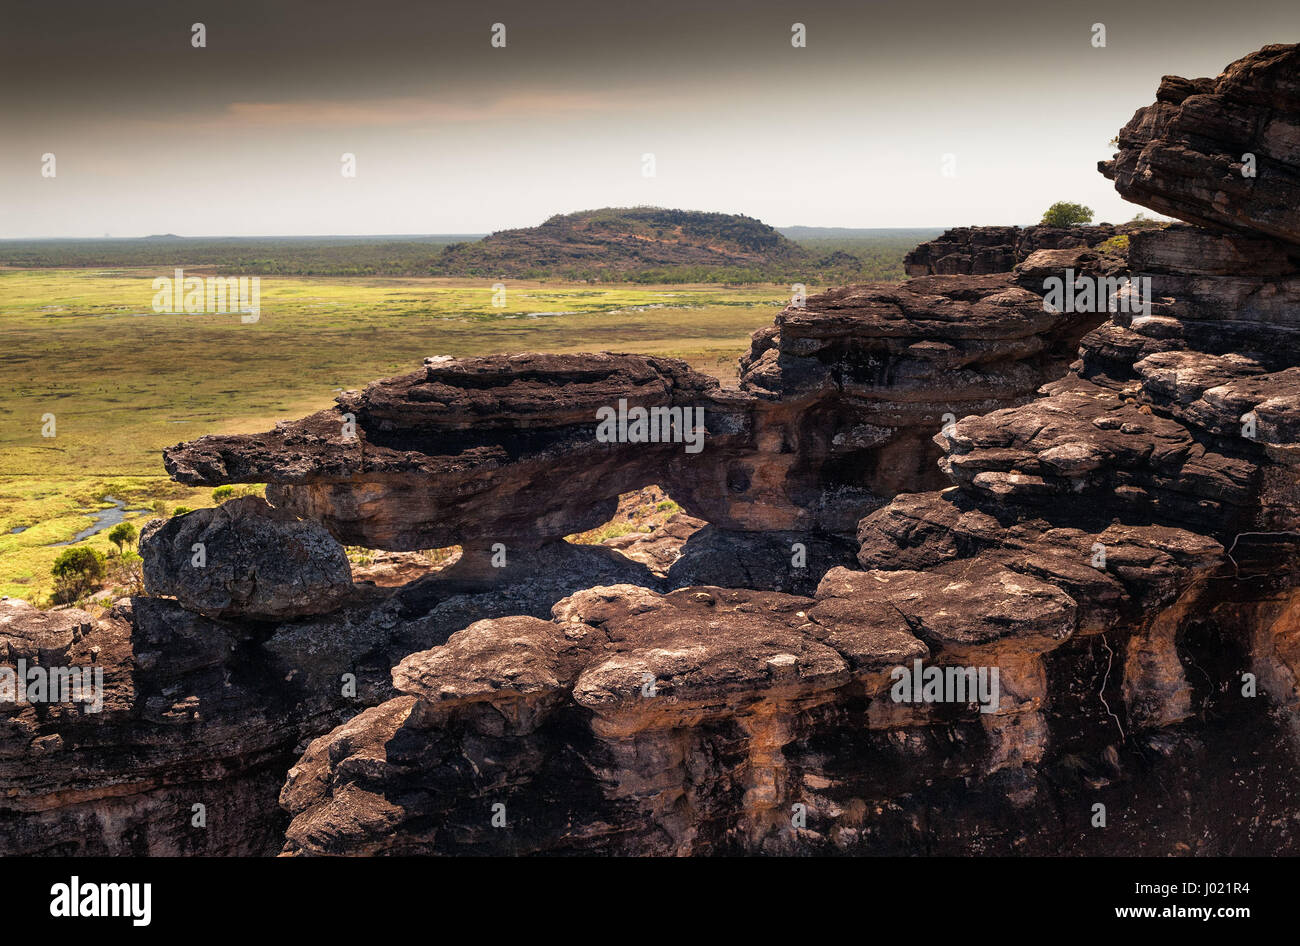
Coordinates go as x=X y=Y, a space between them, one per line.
x=1085 y=441
x=981 y=251
x=187 y=719
x=698 y=698
x=471 y=452
x=637 y=663
x=792 y=562
x=32 y=634
x=245 y=559
x=211 y=712
x=1223 y=152
x=181 y=690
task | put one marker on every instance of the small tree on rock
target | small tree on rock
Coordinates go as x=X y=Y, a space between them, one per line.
x=1065 y=214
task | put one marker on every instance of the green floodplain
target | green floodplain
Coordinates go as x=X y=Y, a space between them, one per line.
x=87 y=356
x=122 y=381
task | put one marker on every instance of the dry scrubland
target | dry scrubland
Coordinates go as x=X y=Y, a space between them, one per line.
x=123 y=382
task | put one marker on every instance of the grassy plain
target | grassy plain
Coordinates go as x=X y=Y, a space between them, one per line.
x=123 y=381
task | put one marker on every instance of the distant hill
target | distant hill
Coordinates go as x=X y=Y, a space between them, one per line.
x=630 y=244
x=615 y=242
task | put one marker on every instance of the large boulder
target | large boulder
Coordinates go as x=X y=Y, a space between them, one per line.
x=1222 y=152
x=245 y=558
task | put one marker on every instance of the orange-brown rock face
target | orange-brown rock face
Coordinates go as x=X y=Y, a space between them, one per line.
x=682 y=723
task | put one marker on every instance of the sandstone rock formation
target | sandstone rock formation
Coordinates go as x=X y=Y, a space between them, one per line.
x=980 y=251
x=1095 y=550
x=245 y=559
x=212 y=711
x=1142 y=508
x=191 y=715
x=837 y=405
x=1220 y=152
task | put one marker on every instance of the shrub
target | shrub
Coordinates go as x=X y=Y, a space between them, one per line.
x=122 y=534
x=180 y=511
x=222 y=493
x=1065 y=214
x=130 y=569
x=77 y=571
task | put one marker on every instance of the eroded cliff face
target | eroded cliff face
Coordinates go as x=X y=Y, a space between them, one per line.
x=1085 y=523
x=1220 y=152
x=207 y=697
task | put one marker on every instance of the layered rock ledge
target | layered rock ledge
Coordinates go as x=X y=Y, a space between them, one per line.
x=1221 y=152
x=836 y=408
x=981 y=251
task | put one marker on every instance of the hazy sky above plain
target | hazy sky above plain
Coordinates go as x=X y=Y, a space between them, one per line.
x=245 y=136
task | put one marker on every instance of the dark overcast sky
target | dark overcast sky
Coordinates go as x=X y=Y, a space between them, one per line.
x=451 y=135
